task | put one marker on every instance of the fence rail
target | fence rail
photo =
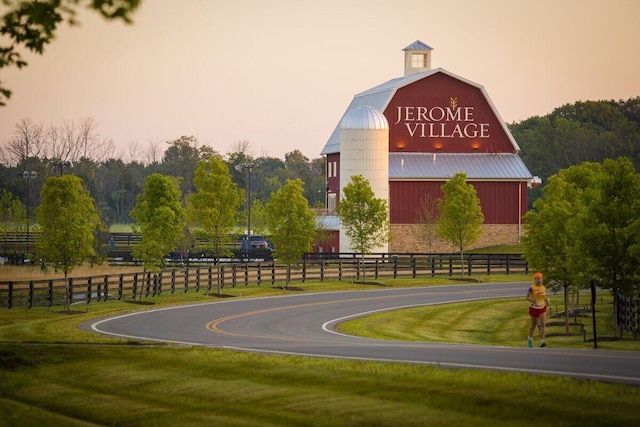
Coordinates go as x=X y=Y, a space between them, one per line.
x=214 y=277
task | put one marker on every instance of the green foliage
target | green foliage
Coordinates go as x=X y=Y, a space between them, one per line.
x=259 y=218
x=291 y=221
x=211 y=211
x=32 y=24
x=551 y=243
x=159 y=220
x=461 y=216
x=68 y=221
x=587 y=226
x=586 y=131
x=364 y=217
x=610 y=226
x=13 y=213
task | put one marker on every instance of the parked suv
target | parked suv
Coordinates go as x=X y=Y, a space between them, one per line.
x=257 y=247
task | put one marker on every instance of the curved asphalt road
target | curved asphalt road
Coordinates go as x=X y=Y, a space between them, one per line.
x=303 y=324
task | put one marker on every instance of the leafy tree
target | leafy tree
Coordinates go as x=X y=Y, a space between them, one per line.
x=292 y=223
x=587 y=226
x=213 y=208
x=586 y=131
x=552 y=239
x=610 y=226
x=461 y=216
x=159 y=219
x=364 y=217
x=32 y=24
x=258 y=217
x=13 y=214
x=68 y=222
x=181 y=159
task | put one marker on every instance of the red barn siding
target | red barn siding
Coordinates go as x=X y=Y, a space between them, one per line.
x=498 y=200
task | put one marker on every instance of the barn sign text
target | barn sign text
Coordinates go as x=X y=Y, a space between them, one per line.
x=451 y=121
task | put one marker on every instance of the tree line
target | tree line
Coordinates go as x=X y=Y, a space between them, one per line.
x=585 y=131
x=115 y=183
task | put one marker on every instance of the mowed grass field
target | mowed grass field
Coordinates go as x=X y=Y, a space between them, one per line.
x=51 y=373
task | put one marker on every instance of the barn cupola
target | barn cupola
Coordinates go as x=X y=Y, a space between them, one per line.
x=417 y=58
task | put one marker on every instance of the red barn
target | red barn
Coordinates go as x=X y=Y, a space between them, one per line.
x=439 y=124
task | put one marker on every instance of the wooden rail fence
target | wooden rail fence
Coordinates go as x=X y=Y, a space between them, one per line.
x=214 y=277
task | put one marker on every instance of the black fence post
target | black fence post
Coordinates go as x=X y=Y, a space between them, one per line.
x=148 y=284
x=105 y=288
x=10 y=302
x=89 y=290
x=413 y=266
x=30 y=294
x=50 y=292
x=233 y=275
x=121 y=287
x=135 y=285
x=259 y=273
x=304 y=270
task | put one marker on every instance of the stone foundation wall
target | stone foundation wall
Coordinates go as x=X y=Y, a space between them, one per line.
x=408 y=238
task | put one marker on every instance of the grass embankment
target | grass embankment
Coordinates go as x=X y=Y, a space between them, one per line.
x=101 y=380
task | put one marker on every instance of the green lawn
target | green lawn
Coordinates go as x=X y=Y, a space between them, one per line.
x=51 y=373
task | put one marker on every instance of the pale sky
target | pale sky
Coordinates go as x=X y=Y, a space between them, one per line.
x=281 y=73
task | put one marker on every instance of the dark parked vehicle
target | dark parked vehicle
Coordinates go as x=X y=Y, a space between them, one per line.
x=255 y=248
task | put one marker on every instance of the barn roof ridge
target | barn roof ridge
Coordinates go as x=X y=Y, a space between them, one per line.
x=380 y=95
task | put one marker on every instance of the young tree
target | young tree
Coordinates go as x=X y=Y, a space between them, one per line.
x=364 y=217
x=68 y=222
x=461 y=216
x=13 y=215
x=587 y=226
x=551 y=242
x=427 y=218
x=213 y=208
x=610 y=226
x=292 y=224
x=159 y=219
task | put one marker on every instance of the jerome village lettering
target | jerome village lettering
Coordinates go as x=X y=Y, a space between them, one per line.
x=442 y=122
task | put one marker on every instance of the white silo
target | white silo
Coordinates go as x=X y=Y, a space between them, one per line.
x=364 y=150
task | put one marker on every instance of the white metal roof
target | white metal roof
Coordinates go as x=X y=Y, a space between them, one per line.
x=364 y=117
x=438 y=166
x=379 y=97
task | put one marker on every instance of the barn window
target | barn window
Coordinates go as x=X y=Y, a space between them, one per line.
x=417 y=60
